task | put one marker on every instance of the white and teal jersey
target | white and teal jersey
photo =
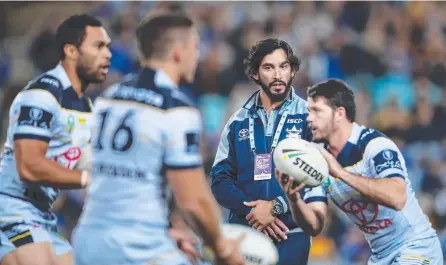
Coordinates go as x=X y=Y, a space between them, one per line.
x=143 y=125
x=48 y=109
x=371 y=154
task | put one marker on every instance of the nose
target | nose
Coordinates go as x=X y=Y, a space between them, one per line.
x=278 y=74
x=108 y=54
x=310 y=117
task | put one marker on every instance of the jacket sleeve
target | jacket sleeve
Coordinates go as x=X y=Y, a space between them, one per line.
x=224 y=175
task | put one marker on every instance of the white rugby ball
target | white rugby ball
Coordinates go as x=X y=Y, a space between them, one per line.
x=85 y=160
x=302 y=161
x=257 y=248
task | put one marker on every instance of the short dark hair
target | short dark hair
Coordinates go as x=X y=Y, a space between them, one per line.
x=72 y=31
x=337 y=93
x=153 y=32
x=263 y=48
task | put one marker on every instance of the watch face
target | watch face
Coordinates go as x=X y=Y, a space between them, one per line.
x=277 y=209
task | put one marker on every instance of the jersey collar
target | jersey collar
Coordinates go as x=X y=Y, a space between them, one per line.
x=356 y=132
x=61 y=74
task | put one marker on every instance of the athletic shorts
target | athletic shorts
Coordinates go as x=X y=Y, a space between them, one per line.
x=95 y=245
x=418 y=252
x=18 y=232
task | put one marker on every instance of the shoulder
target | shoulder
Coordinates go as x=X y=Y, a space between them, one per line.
x=298 y=105
x=370 y=137
x=375 y=144
x=45 y=84
x=130 y=90
x=235 y=122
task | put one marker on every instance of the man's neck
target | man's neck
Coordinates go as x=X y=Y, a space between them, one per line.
x=167 y=68
x=339 y=138
x=78 y=85
x=267 y=103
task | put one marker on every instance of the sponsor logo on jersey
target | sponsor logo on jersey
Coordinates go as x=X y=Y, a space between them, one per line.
x=34 y=116
x=69 y=158
x=369 y=131
x=71 y=122
x=192 y=142
x=386 y=159
x=50 y=81
x=364 y=215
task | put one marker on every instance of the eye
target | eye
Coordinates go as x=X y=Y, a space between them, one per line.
x=285 y=65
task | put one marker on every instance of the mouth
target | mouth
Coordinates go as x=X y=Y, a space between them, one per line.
x=277 y=85
x=104 y=68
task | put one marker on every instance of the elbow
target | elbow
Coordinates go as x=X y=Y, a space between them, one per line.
x=314 y=230
x=25 y=171
x=399 y=202
x=311 y=229
x=190 y=206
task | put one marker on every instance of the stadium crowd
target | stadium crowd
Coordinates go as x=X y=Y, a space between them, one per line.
x=393 y=54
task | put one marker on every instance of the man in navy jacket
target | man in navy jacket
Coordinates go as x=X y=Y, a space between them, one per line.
x=243 y=178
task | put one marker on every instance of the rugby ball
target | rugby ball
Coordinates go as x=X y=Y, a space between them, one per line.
x=85 y=160
x=256 y=248
x=302 y=161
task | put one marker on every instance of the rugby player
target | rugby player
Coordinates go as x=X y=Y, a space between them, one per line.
x=368 y=181
x=49 y=121
x=147 y=131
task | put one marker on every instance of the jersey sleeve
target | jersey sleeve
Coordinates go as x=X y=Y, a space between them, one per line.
x=385 y=159
x=183 y=134
x=32 y=115
x=315 y=194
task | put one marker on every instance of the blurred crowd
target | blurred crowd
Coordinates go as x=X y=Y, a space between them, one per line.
x=393 y=54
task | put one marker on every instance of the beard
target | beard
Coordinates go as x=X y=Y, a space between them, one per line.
x=86 y=72
x=325 y=132
x=276 y=97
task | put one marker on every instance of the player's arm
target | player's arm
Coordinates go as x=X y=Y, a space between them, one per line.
x=309 y=212
x=187 y=179
x=223 y=175
x=386 y=185
x=33 y=117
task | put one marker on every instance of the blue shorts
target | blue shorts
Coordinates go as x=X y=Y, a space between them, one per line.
x=18 y=232
x=95 y=245
x=418 y=252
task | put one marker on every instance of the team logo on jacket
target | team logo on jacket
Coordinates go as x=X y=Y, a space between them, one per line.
x=243 y=134
x=293 y=132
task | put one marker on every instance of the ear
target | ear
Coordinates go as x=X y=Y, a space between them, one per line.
x=176 y=53
x=255 y=76
x=293 y=73
x=340 y=112
x=71 y=51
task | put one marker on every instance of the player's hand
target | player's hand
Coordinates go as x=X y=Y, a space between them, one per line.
x=186 y=243
x=335 y=169
x=289 y=186
x=228 y=252
x=261 y=214
x=276 y=231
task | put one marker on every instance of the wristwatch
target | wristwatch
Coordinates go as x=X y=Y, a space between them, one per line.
x=277 y=208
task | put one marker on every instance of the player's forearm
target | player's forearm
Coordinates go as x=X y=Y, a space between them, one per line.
x=205 y=216
x=49 y=173
x=389 y=192
x=307 y=218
